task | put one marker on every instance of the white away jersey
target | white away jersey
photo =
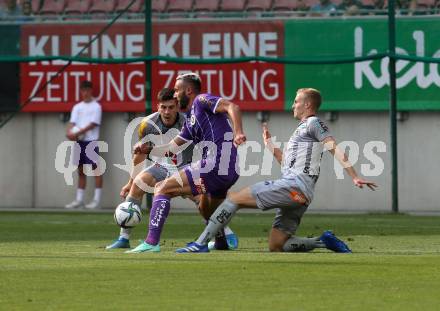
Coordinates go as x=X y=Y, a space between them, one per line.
x=153 y=124
x=303 y=153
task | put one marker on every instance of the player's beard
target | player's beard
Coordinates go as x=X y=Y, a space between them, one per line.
x=184 y=102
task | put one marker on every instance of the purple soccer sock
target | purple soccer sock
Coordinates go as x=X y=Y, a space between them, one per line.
x=158 y=215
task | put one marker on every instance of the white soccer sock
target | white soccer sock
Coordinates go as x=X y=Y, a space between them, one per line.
x=80 y=195
x=298 y=244
x=97 y=196
x=218 y=220
x=228 y=231
x=125 y=233
x=133 y=200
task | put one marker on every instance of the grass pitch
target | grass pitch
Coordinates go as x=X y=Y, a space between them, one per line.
x=56 y=261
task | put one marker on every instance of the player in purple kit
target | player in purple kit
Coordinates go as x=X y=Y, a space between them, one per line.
x=207 y=125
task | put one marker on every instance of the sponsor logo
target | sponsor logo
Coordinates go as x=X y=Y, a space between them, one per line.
x=407 y=71
x=297 y=197
x=223 y=217
x=172 y=157
x=323 y=127
x=159 y=214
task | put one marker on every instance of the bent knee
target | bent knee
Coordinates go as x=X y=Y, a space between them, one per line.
x=162 y=189
x=145 y=179
x=275 y=248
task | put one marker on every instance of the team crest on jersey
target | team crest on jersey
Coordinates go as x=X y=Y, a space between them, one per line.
x=300 y=130
x=207 y=101
x=204 y=100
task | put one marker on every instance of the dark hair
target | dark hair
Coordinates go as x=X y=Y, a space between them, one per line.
x=193 y=79
x=165 y=94
x=86 y=85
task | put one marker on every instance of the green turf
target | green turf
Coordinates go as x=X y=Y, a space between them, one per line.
x=56 y=261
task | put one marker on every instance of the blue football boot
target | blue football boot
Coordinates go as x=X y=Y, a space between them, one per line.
x=193 y=247
x=232 y=240
x=333 y=243
x=119 y=243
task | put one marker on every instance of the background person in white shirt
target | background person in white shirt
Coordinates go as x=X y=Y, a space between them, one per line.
x=85 y=121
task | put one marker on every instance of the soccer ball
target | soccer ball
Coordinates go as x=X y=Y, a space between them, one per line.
x=128 y=215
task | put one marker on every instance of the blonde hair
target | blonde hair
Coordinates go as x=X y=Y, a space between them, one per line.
x=311 y=95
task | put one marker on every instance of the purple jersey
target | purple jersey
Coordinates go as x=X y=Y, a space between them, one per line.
x=203 y=123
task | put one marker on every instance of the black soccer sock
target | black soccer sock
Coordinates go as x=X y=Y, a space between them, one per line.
x=220 y=240
x=298 y=244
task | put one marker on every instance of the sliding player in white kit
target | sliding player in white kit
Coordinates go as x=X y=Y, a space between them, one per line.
x=293 y=193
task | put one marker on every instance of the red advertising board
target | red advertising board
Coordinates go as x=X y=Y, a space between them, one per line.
x=117 y=87
x=254 y=86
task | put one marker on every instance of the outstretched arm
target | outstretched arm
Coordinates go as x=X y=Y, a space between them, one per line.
x=330 y=144
x=267 y=138
x=234 y=114
x=175 y=146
